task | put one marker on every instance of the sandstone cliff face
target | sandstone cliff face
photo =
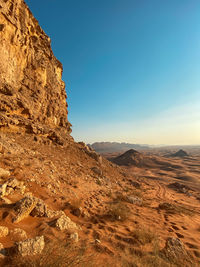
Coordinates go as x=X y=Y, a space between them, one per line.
x=32 y=93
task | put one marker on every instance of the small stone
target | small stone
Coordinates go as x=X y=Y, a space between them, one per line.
x=3 y=231
x=134 y=200
x=30 y=246
x=2 y=251
x=74 y=237
x=4 y=173
x=77 y=212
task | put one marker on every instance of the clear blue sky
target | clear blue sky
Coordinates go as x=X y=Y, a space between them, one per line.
x=131 y=67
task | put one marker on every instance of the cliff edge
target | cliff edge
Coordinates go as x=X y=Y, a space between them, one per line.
x=32 y=93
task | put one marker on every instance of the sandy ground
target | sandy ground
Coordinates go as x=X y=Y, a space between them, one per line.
x=63 y=177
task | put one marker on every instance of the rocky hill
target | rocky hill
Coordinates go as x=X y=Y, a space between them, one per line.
x=181 y=153
x=130 y=158
x=61 y=203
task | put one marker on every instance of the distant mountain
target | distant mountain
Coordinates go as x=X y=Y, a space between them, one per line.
x=129 y=158
x=181 y=153
x=138 y=159
x=111 y=147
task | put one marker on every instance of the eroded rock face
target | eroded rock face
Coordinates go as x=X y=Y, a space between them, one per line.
x=31 y=246
x=24 y=207
x=32 y=93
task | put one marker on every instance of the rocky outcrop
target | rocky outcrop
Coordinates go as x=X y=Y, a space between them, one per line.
x=35 y=207
x=42 y=210
x=30 y=246
x=24 y=207
x=12 y=185
x=65 y=223
x=32 y=93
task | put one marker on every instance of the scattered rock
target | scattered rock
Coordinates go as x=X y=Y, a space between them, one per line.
x=12 y=185
x=77 y=212
x=3 y=231
x=97 y=171
x=24 y=207
x=18 y=234
x=4 y=173
x=135 y=184
x=2 y=251
x=65 y=223
x=42 y=210
x=93 y=154
x=181 y=188
x=134 y=200
x=74 y=237
x=30 y=246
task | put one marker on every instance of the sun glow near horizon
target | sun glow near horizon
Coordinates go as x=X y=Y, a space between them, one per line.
x=175 y=126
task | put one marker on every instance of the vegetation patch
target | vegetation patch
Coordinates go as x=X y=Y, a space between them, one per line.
x=118 y=211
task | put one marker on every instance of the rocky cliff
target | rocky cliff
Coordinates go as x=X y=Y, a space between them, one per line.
x=32 y=93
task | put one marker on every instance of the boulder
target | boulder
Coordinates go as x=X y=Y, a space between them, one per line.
x=24 y=207
x=65 y=223
x=42 y=210
x=31 y=246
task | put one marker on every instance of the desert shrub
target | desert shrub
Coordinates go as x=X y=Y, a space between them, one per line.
x=55 y=254
x=118 y=211
x=144 y=235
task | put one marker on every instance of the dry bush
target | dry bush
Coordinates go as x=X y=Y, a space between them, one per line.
x=144 y=236
x=140 y=258
x=118 y=211
x=55 y=254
